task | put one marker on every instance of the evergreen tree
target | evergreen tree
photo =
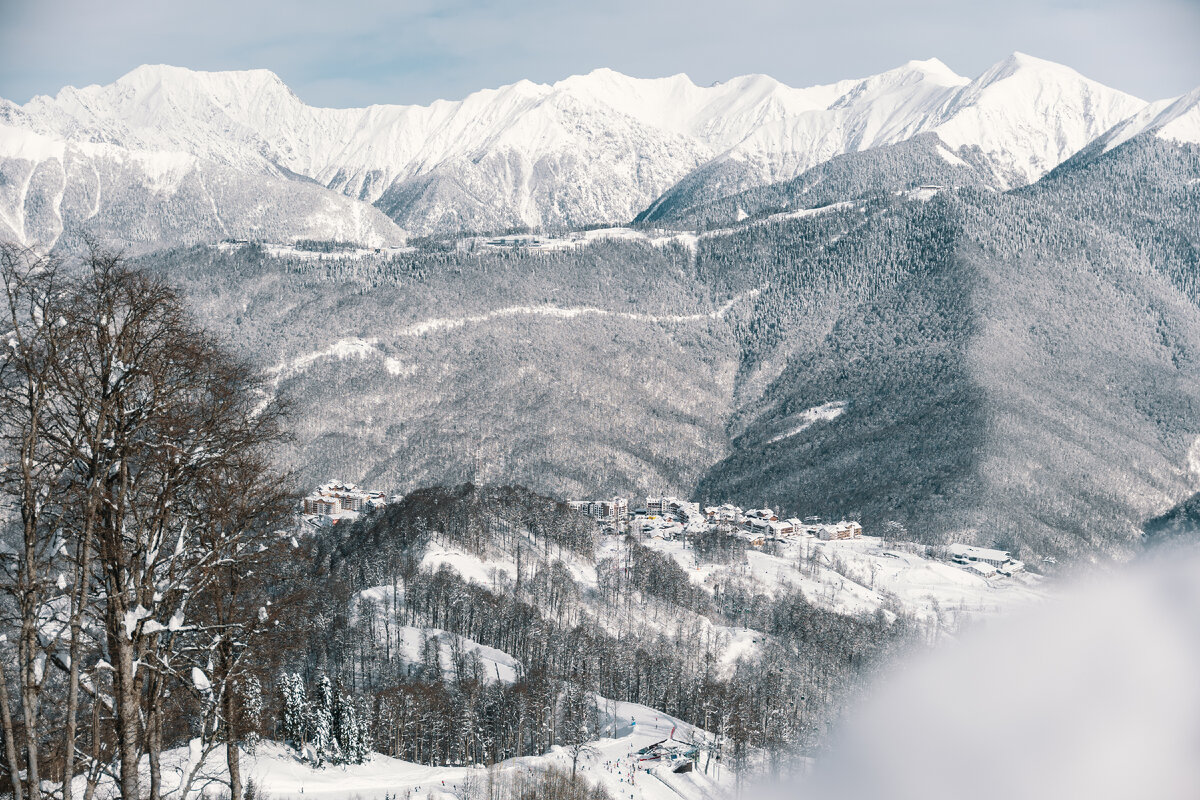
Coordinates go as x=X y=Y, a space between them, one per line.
x=324 y=743
x=295 y=711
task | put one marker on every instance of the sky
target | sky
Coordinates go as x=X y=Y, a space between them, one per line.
x=356 y=52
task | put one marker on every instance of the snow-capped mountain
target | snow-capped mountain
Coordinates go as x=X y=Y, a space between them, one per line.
x=1027 y=116
x=1175 y=120
x=166 y=154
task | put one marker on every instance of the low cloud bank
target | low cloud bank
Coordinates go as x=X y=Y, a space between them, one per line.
x=1095 y=695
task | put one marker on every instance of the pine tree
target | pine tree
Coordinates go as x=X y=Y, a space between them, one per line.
x=349 y=732
x=250 y=691
x=295 y=711
x=320 y=723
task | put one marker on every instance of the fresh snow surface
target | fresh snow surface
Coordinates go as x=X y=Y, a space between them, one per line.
x=486 y=571
x=586 y=149
x=292 y=252
x=614 y=764
x=1028 y=115
x=470 y=566
x=1175 y=120
x=859 y=576
x=497 y=665
x=826 y=412
x=862 y=576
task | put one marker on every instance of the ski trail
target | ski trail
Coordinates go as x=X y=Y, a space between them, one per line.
x=434 y=324
x=357 y=347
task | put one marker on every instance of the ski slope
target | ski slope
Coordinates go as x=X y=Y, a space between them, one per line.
x=611 y=761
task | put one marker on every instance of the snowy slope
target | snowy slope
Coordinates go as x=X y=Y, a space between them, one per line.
x=1025 y=116
x=590 y=148
x=55 y=190
x=1175 y=120
x=1028 y=116
x=613 y=763
x=879 y=110
x=863 y=576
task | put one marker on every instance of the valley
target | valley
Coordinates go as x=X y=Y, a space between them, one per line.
x=860 y=370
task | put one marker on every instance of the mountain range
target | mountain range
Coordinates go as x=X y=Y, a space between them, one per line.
x=166 y=155
x=969 y=309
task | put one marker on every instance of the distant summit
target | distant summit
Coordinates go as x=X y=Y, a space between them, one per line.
x=167 y=155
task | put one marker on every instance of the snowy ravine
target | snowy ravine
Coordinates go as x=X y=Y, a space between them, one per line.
x=239 y=155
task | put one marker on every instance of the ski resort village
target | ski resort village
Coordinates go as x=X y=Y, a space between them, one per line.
x=632 y=751
x=660 y=521
x=835 y=563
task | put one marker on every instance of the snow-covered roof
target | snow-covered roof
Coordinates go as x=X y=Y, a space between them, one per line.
x=979 y=553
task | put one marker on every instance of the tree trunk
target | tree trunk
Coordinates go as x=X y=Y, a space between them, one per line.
x=154 y=748
x=10 y=742
x=27 y=654
x=78 y=599
x=232 y=756
x=29 y=708
x=94 y=770
x=127 y=705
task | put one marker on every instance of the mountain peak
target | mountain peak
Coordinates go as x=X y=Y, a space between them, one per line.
x=1018 y=64
x=934 y=68
x=1176 y=120
x=162 y=73
x=585 y=126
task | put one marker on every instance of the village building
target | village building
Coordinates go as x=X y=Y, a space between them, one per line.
x=999 y=560
x=686 y=512
x=614 y=510
x=516 y=240
x=753 y=537
x=726 y=513
x=837 y=531
x=339 y=500
x=658 y=506
x=982 y=568
x=780 y=529
x=322 y=506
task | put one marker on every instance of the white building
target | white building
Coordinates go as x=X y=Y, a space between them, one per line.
x=966 y=554
x=837 y=530
x=780 y=529
x=342 y=500
x=724 y=513
x=614 y=510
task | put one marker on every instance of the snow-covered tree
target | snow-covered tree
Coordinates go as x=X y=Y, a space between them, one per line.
x=323 y=742
x=295 y=710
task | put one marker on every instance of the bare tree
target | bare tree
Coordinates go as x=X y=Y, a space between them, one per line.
x=138 y=459
x=33 y=531
x=240 y=507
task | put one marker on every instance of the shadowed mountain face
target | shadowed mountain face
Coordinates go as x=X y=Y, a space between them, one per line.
x=1014 y=368
x=1031 y=371
x=704 y=200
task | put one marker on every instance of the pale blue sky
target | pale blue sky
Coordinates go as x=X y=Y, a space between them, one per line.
x=348 y=53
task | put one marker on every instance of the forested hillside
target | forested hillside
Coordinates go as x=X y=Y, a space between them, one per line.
x=631 y=628
x=1025 y=371
x=1016 y=368
x=701 y=201
x=604 y=368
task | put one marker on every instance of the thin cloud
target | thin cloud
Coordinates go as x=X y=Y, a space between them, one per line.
x=356 y=53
